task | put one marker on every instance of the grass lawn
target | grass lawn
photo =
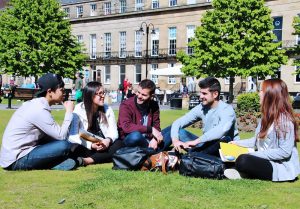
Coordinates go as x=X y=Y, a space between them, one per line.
x=99 y=186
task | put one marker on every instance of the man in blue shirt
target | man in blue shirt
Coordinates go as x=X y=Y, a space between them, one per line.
x=218 y=118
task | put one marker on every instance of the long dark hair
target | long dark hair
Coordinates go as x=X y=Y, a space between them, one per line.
x=89 y=93
x=276 y=106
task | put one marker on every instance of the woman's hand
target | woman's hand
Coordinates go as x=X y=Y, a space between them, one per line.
x=100 y=146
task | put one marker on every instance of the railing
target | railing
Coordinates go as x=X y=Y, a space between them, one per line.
x=160 y=53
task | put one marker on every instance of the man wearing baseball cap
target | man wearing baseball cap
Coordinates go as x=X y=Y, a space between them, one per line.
x=32 y=139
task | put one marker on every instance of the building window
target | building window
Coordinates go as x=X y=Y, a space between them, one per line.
x=155 y=4
x=172 y=41
x=139 y=4
x=122 y=52
x=155 y=43
x=94 y=73
x=80 y=39
x=79 y=10
x=171 y=79
x=107 y=45
x=297 y=78
x=277 y=74
x=154 y=78
x=172 y=3
x=138 y=73
x=227 y=80
x=138 y=43
x=277 y=22
x=93 y=9
x=123 y=6
x=190 y=35
x=122 y=73
x=93 y=46
x=107 y=74
x=67 y=11
x=107 y=8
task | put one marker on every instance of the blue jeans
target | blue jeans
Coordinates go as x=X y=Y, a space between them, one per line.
x=136 y=139
x=210 y=147
x=44 y=156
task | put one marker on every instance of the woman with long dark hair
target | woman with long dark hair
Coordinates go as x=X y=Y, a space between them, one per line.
x=276 y=156
x=94 y=116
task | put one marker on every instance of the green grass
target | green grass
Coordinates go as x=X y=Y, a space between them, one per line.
x=99 y=186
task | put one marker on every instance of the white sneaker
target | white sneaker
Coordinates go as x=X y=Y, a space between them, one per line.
x=232 y=174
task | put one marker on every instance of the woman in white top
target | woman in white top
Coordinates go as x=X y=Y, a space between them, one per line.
x=96 y=117
x=276 y=156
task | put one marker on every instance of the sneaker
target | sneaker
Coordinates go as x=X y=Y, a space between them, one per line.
x=80 y=162
x=67 y=165
x=232 y=174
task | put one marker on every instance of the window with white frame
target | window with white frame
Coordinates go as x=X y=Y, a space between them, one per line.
x=107 y=44
x=155 y=43
x=172 y=41
x=123 y=6
x=172 y=3
x=154 y=78
x=138 y=73
x=107 y=74
x=277 y=22
x=79 y=11
x=122 y=51
x=93 y=9
x=277 y=74
x=138 y=43
x=80 y=39
x=298 y=36
x=155 y=4
x=94 y=72
x=172 y=78
x=107 y=8
x=190 y=35
x=139 y=5
x=67 y=11
x=227 y=80
x=122 y=73
x=297 y=77
x=93 y=48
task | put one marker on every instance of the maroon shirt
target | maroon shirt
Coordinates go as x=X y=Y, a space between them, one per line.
x=130 y=118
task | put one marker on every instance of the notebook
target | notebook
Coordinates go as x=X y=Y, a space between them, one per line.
x=86 y=135
x=230 y=152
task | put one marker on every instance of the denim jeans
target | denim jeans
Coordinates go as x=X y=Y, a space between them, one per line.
x=44 y=156
x=210 y=147
x=136 y=139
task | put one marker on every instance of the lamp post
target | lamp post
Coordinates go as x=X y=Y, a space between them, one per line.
x=147 y=36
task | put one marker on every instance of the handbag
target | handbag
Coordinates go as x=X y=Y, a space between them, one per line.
x=197 y=164
x=131 y=158
x=163 y=161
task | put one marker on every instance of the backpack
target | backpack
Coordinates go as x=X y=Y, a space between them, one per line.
x=198 y=164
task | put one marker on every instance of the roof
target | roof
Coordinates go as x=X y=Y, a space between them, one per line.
x=65 y=2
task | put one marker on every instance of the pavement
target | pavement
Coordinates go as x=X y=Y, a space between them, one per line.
x=114 y=106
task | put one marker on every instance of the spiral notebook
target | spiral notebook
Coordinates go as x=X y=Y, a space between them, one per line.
x=230 y=152
x=86 y=135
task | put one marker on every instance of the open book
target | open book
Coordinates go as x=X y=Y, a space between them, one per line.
x=89 y=136
x=230 y=152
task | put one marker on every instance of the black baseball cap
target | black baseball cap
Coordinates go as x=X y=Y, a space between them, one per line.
x=49 y=81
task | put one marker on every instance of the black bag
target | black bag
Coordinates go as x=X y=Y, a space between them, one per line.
x=202 y=165
x=131 y=158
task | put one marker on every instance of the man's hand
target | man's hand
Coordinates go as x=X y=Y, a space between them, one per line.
x=193 y=143
x=178 y=145
x=69 y=106
x=158 y=136
x=153 y=144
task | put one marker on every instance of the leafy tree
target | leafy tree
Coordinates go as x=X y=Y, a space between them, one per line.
x=35 y=39
x=296 y=25
x=234 y=39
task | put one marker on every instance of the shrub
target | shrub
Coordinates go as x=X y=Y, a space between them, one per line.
x=248 y=102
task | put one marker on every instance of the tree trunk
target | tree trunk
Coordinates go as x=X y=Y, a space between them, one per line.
x=231 y=80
